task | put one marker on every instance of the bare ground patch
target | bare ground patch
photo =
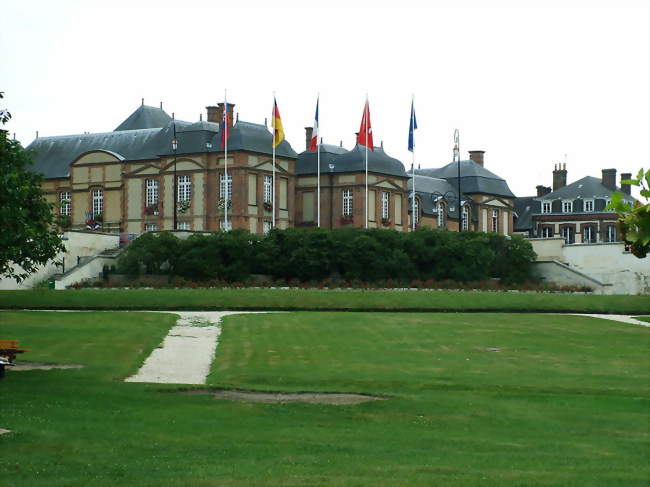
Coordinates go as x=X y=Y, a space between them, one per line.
x=20 y=366
x=286 y=397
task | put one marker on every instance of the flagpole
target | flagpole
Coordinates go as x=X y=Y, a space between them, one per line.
x=273 y=182
x=225 y=127
x=366 y=116
x=413 y=165
x=318 y=160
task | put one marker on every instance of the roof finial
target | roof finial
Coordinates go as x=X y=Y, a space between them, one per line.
x=321 y=141
x=265 y=122
x=161 y=106
x=340 y=143
x=200 y=117
x=173 y=116
x=142 y=101
x=381 y=144
x=237 y=117
x=37 y=134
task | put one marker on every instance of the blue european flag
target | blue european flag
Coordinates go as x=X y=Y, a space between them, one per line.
x=412 y=126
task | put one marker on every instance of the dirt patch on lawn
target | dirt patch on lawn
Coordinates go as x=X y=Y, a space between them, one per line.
x=285 y=397
x=42 y=366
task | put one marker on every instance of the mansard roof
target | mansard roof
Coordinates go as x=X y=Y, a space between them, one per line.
x=353 y=160
x=52 y=156
x=474 y=178
x=145 y=117
x=585 y=188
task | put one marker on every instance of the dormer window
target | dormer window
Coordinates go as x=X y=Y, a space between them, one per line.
x=567 y=206
x=546 y=206
x=589 y=206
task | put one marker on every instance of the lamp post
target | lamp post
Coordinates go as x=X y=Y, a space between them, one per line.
x=174 y=148
x=457 y=158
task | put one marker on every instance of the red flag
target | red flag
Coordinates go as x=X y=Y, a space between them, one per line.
x=364 y=137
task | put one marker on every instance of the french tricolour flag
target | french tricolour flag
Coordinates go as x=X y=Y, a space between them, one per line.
x=313 y=146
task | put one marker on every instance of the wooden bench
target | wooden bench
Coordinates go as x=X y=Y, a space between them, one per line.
x=8 y=351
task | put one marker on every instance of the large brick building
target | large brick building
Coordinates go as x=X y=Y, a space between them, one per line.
x=123 y=181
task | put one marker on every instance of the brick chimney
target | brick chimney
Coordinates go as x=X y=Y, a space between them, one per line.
x=308 y=133
x=609 y=178
x=626 y=188
x=477 y=156
x=543 y=190
x=215 y=114
x=559 y=176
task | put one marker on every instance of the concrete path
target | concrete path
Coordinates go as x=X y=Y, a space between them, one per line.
x=188 y=350
x=621 y=318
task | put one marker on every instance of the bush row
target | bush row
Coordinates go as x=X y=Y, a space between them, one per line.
x=182 y=283
x=314 y=254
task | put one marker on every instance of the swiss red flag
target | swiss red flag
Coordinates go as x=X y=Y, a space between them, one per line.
x=364 y=137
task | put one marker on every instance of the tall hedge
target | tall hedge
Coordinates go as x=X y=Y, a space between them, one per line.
x=313 y=254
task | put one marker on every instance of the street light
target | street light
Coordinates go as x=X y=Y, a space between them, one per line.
x=457 y=158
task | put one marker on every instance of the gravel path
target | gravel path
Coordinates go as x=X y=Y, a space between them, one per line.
x=621 y=318
x=187 y=352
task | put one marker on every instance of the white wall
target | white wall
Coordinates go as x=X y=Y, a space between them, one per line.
x=608 y=263
x=78 y=243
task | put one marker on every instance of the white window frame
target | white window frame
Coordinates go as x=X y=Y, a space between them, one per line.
x=266 y=226
x=567 y=233
x=151 y=192
x=607 y=203
x=465 y=218
x=589 y=234
x=183 y=226
x=268 y=190
x=184 y=188
x=98 y=201
x=590 y=203
x=567 y=206
x=547 y=207
x=440 y=212
x=495 y=221
x=612 y=233
x=547 y=232
x=65 y=203
x=150 y=227
x=348 y=202
x=225 y=193
x=385 y=205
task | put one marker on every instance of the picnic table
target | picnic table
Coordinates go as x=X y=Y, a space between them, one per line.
x=8 y=351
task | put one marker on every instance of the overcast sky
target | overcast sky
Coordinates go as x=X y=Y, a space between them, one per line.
x=526 y=81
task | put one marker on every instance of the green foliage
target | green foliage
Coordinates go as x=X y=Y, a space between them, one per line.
x=29 y=231
x=634 y=220
x=314 y=254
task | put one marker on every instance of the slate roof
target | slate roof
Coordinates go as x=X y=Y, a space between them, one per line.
x=587 y=187
x=525 y=208
x=474 y=178
x=430 y=190
x=307 y=160
x=52 y=156
x=145 y=117
x=350 y=161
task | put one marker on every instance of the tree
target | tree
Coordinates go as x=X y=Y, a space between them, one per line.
x=634 y=219
x=29 y=228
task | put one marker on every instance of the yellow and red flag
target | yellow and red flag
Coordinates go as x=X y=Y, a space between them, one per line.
x=278 y=131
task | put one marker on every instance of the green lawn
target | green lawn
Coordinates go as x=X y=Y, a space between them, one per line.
x=564 y=402
x=311 y=299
